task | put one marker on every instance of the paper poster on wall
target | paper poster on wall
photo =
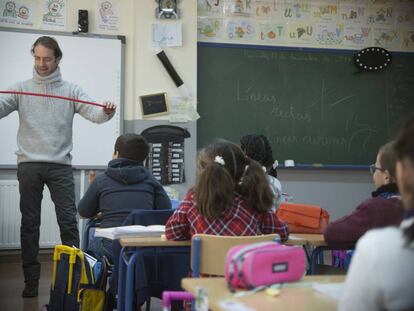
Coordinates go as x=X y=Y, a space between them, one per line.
x=357 y=36
x=267 y=9
x=408 y=40
x=272 y=32
x=209 y=28
x=107 y=15
x=182 y=110
x=210 y=8
x=53 y=14
x=297 y=10
x=325 y=11
x=352 y=13
x=238 y=8
x=240 y=29
x=300 y=32
x=329 y=33
x=386 y=37
x=381 y=15
x=166 y=35
x=16 y=12
x=404 y=16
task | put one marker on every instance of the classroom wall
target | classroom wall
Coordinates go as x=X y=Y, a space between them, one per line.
x=337 y=191
x=144 y=73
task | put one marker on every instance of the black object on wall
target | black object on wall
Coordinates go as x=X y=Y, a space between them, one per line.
x=310 y=103
x=166 y=157
x=83 y=21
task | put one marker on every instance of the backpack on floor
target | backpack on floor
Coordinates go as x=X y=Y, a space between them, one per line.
x=76 y=285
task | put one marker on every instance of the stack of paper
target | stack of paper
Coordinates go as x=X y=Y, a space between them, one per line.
x=128 y=231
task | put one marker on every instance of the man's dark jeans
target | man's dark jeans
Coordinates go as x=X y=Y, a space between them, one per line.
x=32 y=177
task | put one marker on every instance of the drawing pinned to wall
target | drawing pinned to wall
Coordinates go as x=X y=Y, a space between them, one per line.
x=352 y=13
x=166 y=35
x=356 y=35
x=209 y=28
x=53 y=14
x=210 y=7
x=272 y=32
x=329 y=33
x=408 y=40
x=325 y=11
x=271 y=9
x=16 y=12
x=386 y=37
x=238 y=8
x=107 y=15
x=405 y=16
x=300 y=32
x=240 y=29
x=298 y=10
x=182 y=110
x=381 y=15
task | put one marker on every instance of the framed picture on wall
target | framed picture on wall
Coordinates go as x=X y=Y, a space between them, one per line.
x=153 y=105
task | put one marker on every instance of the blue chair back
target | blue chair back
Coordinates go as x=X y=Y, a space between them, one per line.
x=148 y=217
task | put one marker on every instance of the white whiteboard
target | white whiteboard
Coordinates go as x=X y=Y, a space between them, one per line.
x=95 y=63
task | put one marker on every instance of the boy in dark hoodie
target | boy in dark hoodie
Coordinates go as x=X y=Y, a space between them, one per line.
x=126 y=185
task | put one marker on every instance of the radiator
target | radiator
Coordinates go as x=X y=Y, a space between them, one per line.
x=10 y=217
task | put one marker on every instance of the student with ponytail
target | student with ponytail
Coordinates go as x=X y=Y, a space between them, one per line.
x=381 y=275
x=231 y=197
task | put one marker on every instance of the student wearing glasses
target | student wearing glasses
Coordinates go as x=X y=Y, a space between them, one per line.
x=383 y=209
x=381 y=275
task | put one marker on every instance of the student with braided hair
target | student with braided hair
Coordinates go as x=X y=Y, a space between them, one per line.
x=257 y=147
x=231 y=197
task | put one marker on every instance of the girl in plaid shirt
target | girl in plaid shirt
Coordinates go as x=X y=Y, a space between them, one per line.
x=231 y=197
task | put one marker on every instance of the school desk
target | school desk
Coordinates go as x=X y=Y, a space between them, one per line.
x=132 y=248
x=300 y=296
x=314 y=240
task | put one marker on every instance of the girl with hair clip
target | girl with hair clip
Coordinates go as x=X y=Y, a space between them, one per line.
x=381 y=275
x=257 y=147
x=231 y=197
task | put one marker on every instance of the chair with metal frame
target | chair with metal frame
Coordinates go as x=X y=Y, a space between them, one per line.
x=208 y=255
x=154 y=264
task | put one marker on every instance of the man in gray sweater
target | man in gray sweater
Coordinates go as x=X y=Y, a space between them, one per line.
x=44 y=141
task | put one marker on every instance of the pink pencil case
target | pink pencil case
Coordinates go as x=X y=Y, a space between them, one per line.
x=262 y=264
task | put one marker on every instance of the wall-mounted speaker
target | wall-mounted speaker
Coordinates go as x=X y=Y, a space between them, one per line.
x=83 y=21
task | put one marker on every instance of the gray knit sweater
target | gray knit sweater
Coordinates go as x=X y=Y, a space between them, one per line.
x=45 y=124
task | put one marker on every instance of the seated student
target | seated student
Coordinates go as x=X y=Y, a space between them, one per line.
x=231 y=197
x=383 y=209
x=126 y=185
x=257 y=147
x=381 y=275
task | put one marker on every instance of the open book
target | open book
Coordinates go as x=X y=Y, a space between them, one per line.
x=128 y=231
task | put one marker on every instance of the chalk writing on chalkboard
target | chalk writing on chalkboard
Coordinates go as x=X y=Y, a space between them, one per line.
x=153 y=105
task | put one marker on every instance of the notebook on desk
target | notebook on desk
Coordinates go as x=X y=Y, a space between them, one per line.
x=130 y=231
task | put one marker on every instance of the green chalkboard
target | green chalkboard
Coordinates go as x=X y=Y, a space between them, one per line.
x=313 y=105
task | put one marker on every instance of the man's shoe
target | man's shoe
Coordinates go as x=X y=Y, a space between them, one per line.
x=31 y=289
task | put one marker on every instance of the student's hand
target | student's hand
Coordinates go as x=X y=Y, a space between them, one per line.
x=91 y=176
x=109 y=108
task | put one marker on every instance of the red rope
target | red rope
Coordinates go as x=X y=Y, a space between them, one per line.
x=53 y=96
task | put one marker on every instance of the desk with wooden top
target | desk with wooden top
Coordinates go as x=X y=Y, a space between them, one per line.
x=290 y=298
x=127 y=263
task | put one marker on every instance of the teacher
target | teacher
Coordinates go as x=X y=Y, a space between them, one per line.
x=44 y=141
